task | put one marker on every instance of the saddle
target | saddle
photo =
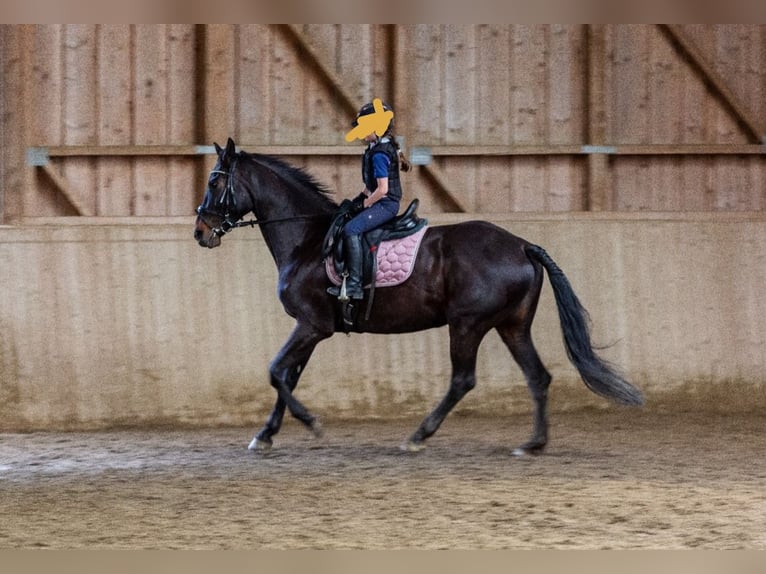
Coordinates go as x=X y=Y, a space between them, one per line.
x=404 y=225
x=388 y=252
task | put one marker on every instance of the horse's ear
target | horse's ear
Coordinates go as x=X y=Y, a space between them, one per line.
x=231 y=149
x=218 y=149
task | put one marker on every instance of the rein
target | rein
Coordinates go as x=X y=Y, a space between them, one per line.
x=254 y=222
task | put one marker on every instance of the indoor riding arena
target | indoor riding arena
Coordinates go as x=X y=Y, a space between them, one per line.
x=134 y=364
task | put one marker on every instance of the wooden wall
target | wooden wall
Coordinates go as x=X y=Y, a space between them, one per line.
x=672 y=117
x=109 y=325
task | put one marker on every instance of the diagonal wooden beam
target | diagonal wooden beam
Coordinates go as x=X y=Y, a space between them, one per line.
x=350 y=105
x=326 y=73
x=63 y=187
x=439 y=180
x=755 y=129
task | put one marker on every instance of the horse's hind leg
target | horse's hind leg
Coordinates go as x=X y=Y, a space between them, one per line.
x=464 y=345
x=519 y=342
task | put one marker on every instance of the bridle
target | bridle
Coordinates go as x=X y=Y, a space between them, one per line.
x=228 y=201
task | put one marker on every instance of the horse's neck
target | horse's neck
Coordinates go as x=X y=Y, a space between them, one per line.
x=287 y=241
x=296 y=238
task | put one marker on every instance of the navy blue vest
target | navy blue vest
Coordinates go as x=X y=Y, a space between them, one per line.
x=368 y=171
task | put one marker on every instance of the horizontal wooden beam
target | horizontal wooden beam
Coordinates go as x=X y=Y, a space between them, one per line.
x=39 y=156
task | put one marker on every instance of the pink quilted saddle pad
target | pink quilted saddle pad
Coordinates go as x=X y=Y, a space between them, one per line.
x=396 y=259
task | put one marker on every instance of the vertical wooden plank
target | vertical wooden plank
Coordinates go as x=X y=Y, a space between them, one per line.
x=114 y=175
x=493 y=109
x=460 y=108
x=695 y=100
x=493 y=76
x=460 y=84
x=183 y=191
x=696 y=110
x=44 y=117
x=692 y=185
x=150 y=117
x=758 y=63
x=357 y=55
x=319 y=105
x=287 y=85
x=599 y=92
x=665 y=100
x=151 y=86
x=425 y=77
x=382 y=65
x=724 y=128
x=47 y=73
x=355 y=51
x=529 y=102
x=256 y=103
x=566 y=86
x=727 y=56
x=494 y=183
x=629 y=89
x=79 y=105
x=220 y=85
x=5 y=117
x=664 y=89
x=13 y=129
x=18 y=109
x=399 y=83
x=730 y=60
x=529 y=97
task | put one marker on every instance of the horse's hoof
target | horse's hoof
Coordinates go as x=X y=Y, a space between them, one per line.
x=411 y=446
x=259 y=445
x=528 y=449
x=317 y=428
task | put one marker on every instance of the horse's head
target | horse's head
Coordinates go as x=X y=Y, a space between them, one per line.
x=225 y=200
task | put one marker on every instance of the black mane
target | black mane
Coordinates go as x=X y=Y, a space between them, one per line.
x=298 y=175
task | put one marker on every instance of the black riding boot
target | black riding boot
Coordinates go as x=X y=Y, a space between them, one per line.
x=353 y=253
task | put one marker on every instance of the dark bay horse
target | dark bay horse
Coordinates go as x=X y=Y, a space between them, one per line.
x=472 y=276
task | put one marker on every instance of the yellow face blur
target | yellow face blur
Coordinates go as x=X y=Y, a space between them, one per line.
x=372 y=124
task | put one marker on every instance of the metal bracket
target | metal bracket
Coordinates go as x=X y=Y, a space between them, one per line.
x=37 y=156
x=604 y=149
x=420 y=155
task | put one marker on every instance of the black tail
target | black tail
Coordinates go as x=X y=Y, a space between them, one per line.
x=598 y=375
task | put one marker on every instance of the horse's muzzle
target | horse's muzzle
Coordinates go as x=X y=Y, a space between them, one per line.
x=204 y=235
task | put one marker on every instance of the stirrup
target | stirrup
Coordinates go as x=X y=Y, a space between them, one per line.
x=343 y=295
x=339 y=291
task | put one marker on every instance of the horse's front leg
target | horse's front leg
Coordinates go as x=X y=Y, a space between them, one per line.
x=263 y=440
x=285 y=370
